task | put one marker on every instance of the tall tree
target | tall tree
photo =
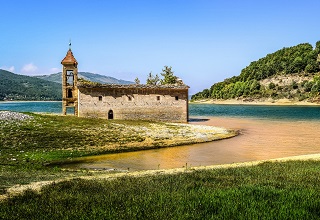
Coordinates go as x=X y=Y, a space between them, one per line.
x=168 y=77
x=152 y=80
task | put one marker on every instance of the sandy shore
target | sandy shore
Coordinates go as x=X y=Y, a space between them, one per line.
x=255 y=102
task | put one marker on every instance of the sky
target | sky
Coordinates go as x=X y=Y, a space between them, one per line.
x=204 y=41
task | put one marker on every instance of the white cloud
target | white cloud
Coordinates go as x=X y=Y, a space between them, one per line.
x=29 y=69
x=55 y=70
x=10 y=69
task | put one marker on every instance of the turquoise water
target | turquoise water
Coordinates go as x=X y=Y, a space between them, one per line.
x=242 y=111
x=257 y=111
x=46 y=107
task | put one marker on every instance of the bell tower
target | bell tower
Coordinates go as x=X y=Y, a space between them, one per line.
x=69 y=83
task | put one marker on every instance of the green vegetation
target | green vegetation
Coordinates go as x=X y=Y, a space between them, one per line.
x=293 y=62
x=137 y=81
x=168 y=77
x=88 y=82
x=288 y=190
x=19 y=87
x=152 y=80
x=42 y=88
x=93 y=77
x=267 y=191
x=26 y=147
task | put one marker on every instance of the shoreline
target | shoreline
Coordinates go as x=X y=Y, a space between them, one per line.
x=279 y=102
x=37 y=186
x=256 y=158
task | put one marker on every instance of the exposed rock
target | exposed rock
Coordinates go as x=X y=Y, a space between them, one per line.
x=285 y=80
x=14 y=116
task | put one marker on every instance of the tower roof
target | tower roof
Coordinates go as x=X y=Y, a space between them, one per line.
x=69 y=59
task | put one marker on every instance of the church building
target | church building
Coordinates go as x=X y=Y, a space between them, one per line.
x=128 y=102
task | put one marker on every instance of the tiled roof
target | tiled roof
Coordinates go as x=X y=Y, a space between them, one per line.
x=69 y=59
x=132 y=86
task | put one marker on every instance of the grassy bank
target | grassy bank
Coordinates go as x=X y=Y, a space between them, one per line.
x=27 y=147
x=287 y=190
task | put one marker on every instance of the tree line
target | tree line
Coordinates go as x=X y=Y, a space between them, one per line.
x=292 y=60
x=19 y=87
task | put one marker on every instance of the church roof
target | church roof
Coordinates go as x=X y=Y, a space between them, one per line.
x=69 y=59
x=131 y=86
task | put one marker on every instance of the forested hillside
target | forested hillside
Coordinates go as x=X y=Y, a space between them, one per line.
x=288 y=73
x=20 y=87
x=93 y=77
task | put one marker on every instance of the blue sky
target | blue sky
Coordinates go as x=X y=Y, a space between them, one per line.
x=205 y=41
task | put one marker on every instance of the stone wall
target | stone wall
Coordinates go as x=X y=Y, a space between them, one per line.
x=157 y=104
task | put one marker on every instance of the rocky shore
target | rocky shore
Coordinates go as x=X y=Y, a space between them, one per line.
x=13 y=116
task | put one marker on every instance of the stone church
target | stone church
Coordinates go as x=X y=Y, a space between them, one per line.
x=128 y=102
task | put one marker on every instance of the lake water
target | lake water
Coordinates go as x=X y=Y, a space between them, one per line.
x=43 y=107
x=267 y=132
x=257 y=111
x=195 y=110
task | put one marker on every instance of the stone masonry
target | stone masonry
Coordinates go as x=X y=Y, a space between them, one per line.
x=143 y=102
x=128 y=102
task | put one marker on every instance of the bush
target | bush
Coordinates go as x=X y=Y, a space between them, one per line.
x=272 y=85
x=294 y=85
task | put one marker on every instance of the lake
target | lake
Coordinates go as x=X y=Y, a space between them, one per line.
x=235 y=111
x=267 y=132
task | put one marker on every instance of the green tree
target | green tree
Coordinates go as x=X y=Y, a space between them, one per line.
x=168 y=77
x=255 y=86
x=152 y=80
x=318 y=46
x=205 y=93
x=272 y=85
x=316 y=85
x=137 y=80
x=294 y=85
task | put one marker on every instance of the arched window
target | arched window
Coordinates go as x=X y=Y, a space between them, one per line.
x=110 y=114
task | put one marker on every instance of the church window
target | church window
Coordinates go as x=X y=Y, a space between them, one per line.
x=177 y=98
x=69 y=93
x=158 y=98
x=100 y=98
x=70 y=78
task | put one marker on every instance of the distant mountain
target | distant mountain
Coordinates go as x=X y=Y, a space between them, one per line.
x=20 y=87
x=56 y=77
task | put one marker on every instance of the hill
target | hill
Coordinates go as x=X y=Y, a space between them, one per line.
x=20 y=87
x=56 y=77
x=290 y=73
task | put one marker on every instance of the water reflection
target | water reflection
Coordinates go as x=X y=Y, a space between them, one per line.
x=259 y=140
x=198 y=119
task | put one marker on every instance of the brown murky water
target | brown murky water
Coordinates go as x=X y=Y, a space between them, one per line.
x=259 y=140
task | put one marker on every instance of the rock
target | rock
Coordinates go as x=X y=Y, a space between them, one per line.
x=14 y=116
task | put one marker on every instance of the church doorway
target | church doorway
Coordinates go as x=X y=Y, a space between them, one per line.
x=110 y=114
